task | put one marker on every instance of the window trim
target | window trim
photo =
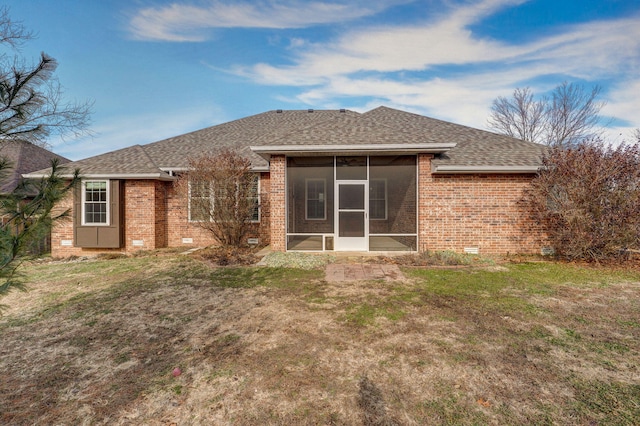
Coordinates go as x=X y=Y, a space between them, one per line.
x=385 y=199
x=257 y=197
x=107 y=202
x=306 y=198
x=212 y=201
x=189 y=218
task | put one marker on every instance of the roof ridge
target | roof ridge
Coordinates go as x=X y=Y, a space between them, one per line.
x=353 y=114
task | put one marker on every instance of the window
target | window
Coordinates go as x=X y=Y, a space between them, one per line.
x=202 y=197
x=315 y=199
x=95 y=202
x=378 y=199
x=255 y=197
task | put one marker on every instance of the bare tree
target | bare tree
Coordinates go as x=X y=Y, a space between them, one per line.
x=569 y=115
x=222 y=196
x=519 y=116
x=31 y=104
x=12 y=33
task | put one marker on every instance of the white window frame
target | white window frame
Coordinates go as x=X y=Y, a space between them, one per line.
x=306 y=198
x=259 y=181
x=212 y=201
x=189 y=204
x=386 y=200
x=84 y=202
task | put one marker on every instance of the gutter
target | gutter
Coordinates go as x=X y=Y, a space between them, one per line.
x=444 y=169
x=154 y=176
x=309 y=150
x=171 y=170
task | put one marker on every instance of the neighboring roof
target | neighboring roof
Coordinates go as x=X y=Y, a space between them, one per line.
x=24 y=157
x=458 y=149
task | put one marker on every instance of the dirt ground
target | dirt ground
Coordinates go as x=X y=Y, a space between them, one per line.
x=101 y=344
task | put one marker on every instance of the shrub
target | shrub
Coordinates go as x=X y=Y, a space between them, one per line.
x=588 y=199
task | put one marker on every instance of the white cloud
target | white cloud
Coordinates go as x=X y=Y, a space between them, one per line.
x=366 y=63
x=180 y=22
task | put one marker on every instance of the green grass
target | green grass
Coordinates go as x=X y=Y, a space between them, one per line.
x=527 y=343
x=506 y=291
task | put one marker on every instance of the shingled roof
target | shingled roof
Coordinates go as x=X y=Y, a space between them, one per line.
x=458 y=149
x=24 y=157
x=475 y=151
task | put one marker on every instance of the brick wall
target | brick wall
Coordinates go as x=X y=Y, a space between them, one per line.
x=155 y=217
x=144 y=221
x=475 y=210
x=277 y=199
x=182 y=233
x=456 y=211
x=141 y=215
x=62 y=232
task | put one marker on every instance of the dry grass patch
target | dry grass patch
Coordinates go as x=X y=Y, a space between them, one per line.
x=535 y=343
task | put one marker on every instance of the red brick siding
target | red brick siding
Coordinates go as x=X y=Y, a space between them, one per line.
x=162 y=239
x=456 y=211
x=475 y=210
x=140 y=212
x=277 y=197
x=63 y=231
x=179 y=227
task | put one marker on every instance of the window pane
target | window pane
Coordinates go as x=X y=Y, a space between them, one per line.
x=351 y=168
x=351 y=224
x=351 y=197
x=378 y=199
x=377 y=209
x=304 y=242
x=393 y=243
x=95 y=202
x=315 y=174
x=315 y=203
x=255 y=195
x=398 y=174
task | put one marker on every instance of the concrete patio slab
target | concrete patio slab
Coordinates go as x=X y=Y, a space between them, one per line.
x=343 y=272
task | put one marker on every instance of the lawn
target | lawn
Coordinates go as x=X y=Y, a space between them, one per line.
x=97 y=341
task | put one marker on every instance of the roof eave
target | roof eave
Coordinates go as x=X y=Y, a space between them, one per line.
x=149 y=176
x=388 y=149
x=453 y=169
x=186 y=169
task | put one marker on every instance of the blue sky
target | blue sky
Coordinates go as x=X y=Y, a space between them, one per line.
x=160 y=68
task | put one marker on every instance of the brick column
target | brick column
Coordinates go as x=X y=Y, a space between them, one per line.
x=277 y=201
x=425 y=194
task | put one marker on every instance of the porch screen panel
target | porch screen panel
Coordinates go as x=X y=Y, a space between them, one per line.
x=393 y=202
x=310 y=188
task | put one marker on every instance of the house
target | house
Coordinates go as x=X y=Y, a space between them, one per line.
x=333 y=180
x=24 y=157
